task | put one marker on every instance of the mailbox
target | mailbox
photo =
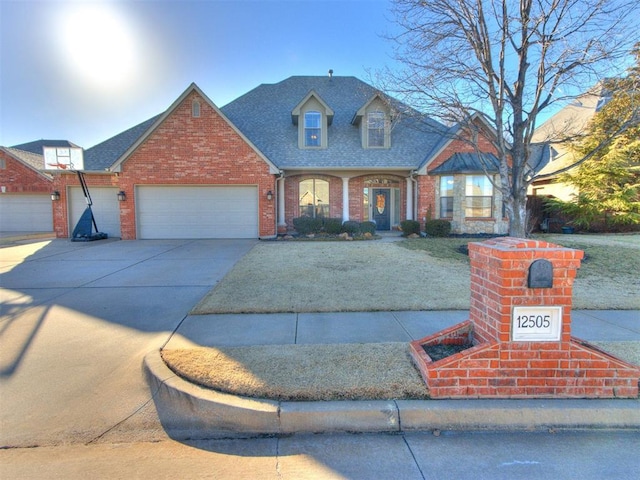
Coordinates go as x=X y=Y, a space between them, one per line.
x=540 y=274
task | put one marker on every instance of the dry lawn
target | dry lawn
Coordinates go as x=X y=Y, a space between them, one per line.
x=369 y=371
x=423 y=274
x=339 y=276
x=303 y=372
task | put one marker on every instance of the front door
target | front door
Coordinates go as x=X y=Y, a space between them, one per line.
x=382 y=208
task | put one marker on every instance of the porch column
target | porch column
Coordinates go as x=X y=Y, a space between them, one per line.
x=409 y=198
x=345 y=199
x=281 y=221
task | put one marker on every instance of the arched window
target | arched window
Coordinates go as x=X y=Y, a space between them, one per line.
x=312 y=129
x=195 y=109
x=314 y=198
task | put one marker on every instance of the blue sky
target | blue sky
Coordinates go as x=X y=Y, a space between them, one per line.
x=86 y=70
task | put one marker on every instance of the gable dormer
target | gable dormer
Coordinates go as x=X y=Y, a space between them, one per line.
x=313 y=118
x=374 y=121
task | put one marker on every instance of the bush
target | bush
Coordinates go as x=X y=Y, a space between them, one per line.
x=410 y=226
x=333 y=226
x=368 y=227
x=307 y=225
x=437 y=228
x=351 y=227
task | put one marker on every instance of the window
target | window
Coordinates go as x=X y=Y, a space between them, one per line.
x=312 y=129
x=195 y=109
x=314 y=198
x=375 y=129
x=446 y=197
x=478 y=196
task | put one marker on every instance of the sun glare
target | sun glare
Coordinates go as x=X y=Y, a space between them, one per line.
x=99 y=45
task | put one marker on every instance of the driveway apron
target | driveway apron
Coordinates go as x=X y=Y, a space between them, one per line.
x=78 y=318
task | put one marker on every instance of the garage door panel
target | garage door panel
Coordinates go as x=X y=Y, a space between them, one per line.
x=105 y=208
x=197 y=211
x=26 y=213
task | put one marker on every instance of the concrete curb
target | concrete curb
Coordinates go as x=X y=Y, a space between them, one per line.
x=188 y=411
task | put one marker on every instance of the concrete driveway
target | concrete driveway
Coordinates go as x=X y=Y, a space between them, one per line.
x=76 y=321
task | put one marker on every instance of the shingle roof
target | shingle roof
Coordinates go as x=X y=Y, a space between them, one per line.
x=34 y=160
x=103 y=155
x=37 y=145
x=264 y=117
x=467 y=163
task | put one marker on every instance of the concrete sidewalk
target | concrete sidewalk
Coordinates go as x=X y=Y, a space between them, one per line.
x=370 y=327
x=189 y=411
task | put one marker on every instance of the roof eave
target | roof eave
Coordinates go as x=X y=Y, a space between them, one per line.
x=44 y=175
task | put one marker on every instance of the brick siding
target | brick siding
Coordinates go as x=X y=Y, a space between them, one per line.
x=16 y=177
x=185 y=150
x=498 y=367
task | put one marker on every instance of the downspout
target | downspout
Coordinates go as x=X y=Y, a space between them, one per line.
x=279 y=200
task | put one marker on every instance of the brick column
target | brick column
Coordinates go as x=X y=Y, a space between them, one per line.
x=499 y=273
x=494 y=362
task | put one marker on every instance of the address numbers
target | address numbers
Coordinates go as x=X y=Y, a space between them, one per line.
x=535 y=324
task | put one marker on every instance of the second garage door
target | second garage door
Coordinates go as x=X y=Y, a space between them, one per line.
x=25 y=213
x=197 y=212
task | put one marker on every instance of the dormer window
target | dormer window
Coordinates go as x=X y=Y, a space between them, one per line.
x=375 y=129
x=312 y=129
x=313 y=118
x=374 y=121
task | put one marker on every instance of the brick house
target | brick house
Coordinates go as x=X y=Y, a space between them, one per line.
x=319 y=146
x=346 y=150
x=186 y=173
x=25 y=189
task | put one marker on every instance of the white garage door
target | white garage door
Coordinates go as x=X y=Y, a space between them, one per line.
x=105 y=209
x=26 y=213
x=197 y=211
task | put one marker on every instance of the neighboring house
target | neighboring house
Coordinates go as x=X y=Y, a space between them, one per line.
x=25 y=190
x=553 y=138
x=318 y=146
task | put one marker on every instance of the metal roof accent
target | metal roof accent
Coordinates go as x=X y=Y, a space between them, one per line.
x=468 y=163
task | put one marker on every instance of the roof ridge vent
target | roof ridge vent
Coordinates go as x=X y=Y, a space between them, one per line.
x=330 y=73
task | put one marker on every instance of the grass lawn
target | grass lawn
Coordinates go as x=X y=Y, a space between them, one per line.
x=419 y=274
x=412 y=274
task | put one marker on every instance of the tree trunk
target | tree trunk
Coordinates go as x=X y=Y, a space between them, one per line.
x=518 y=216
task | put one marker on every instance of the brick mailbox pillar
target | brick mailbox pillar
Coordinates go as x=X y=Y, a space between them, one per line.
x=517 y=342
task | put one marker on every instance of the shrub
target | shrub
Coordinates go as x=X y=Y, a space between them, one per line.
x=410 y=226
x=307 y=225
x=437 y=228
x=368 y=227
x=333 y=226
x=351 y=227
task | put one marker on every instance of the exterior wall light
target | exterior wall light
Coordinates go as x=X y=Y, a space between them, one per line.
x=269 y=195
x=122 y=196
x=55 y=196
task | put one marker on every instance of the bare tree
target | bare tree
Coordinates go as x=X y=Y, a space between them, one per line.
x=507 y=61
